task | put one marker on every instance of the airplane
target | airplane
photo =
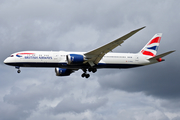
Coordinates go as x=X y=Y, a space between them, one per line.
x=66 y=63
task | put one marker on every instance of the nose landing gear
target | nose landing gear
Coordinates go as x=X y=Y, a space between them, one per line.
x=17 y=67
x=18 y=71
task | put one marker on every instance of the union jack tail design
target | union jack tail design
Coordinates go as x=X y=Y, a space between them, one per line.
x=150 y=49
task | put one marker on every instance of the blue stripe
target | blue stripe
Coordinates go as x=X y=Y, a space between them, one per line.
x=153 y=48
x=18 y=55
x=65 y=65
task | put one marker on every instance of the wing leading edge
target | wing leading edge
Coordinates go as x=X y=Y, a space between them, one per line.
x=94 y=56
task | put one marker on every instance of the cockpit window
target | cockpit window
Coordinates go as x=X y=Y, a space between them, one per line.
x=12 y=56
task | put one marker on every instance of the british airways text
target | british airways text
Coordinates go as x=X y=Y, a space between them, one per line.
x=35 y=57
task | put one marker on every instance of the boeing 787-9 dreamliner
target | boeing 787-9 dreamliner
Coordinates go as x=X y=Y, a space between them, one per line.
x=66 y=63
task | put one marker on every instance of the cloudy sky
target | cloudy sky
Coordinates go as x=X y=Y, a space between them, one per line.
x=150 y=92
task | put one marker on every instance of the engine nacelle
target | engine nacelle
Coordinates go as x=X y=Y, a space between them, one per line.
x=75 y=59
x=63 y=72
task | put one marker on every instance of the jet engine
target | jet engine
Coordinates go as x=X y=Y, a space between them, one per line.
x=63 y=72
x=75 y=59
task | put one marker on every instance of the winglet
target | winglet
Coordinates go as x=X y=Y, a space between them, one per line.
x=132 y=33
x=139 y=29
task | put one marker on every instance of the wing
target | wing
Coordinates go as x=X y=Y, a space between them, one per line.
x=94 y=56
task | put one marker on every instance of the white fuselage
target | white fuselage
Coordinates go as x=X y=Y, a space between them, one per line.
x=58 y=59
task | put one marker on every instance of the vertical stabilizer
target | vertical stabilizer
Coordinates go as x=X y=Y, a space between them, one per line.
x=150 y=49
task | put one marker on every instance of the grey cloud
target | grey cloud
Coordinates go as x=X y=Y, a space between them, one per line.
x=176 y=118
x=9 y=112
x=158 y=80
x=21 y=102
x=75 y=106
x=149 y=115
x=171 y=105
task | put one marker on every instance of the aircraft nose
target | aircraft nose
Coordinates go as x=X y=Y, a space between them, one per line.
x=6 y=61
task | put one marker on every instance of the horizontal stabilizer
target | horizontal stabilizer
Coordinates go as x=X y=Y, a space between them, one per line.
x=161 y=55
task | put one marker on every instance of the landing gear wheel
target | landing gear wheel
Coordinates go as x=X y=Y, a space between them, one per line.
x=92 y=70
x=18 y=71
x=83 y=75
x=17 y=67
x=89 y=69
x=87 y=76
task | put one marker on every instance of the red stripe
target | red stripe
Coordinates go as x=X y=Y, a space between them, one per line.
x=147 y=53
x=155 y=40
x=25 y=53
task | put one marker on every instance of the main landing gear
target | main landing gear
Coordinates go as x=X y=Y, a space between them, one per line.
x=85 y=74
x=17 y=67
